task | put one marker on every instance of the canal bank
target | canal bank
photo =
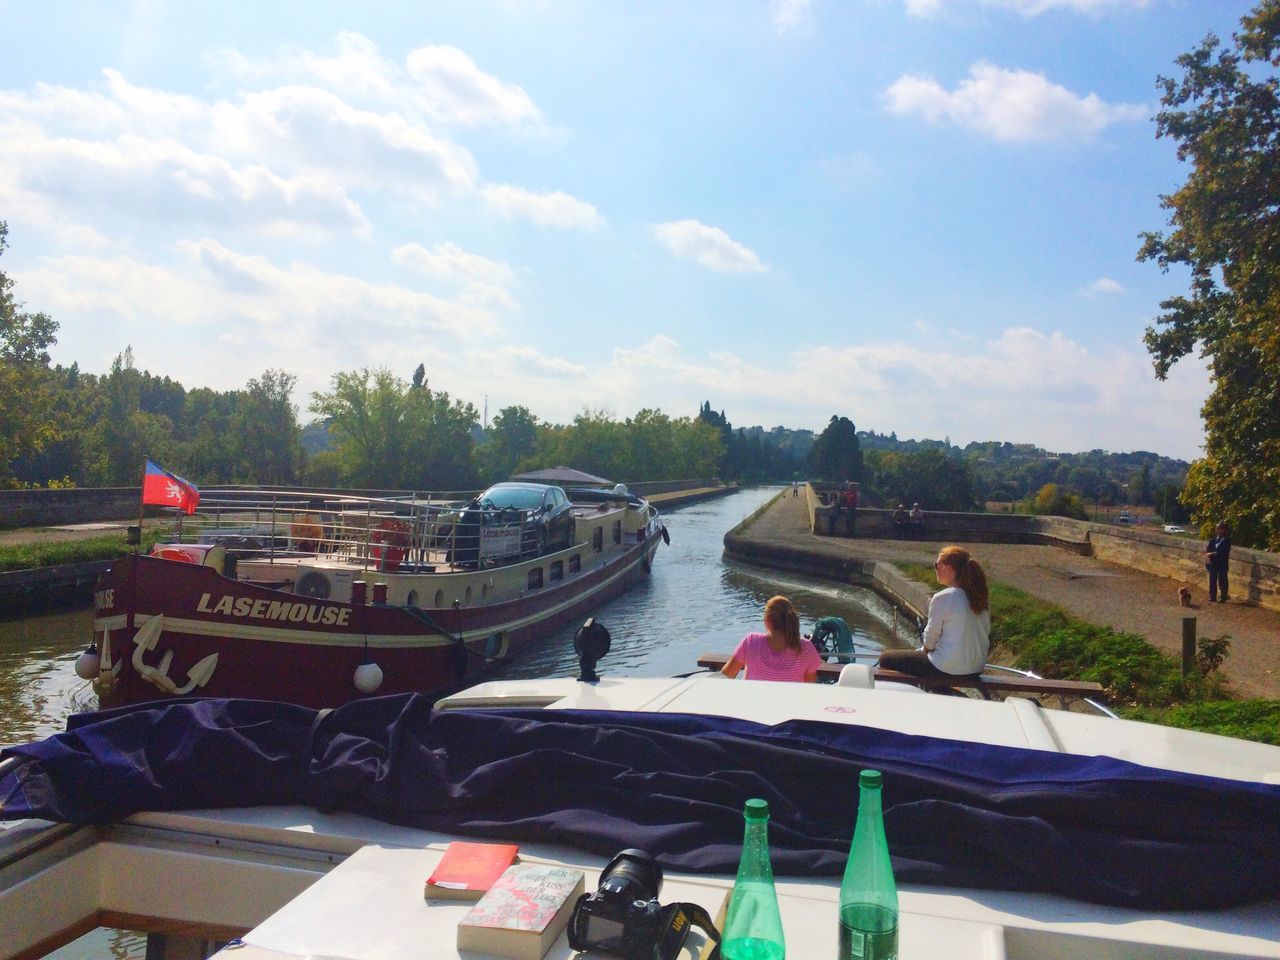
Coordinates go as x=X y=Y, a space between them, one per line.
x=1094 y=590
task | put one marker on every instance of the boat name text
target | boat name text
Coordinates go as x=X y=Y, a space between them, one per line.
x=275 y=610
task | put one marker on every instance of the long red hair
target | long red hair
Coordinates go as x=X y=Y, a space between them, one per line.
x=969 y=576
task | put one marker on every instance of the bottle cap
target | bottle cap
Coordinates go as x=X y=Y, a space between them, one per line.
x=756 y=810
x=870 y=778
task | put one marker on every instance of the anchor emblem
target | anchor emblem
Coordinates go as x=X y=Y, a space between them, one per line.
x=108 y=670
x=145 y=640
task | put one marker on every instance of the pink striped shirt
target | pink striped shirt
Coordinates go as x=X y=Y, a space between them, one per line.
x=763 y=663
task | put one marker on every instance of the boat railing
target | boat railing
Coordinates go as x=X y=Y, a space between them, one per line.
x=405 y=534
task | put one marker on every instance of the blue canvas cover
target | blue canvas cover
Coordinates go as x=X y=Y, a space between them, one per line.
x=956 y=814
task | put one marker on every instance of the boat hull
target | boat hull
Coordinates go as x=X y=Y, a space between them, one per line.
x=166 y=628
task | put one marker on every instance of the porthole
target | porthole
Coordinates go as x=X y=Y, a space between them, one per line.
x=439 y=601
x=466 y=598
x=412 y=600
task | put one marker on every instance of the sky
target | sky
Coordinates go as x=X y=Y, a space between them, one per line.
x=919 y=214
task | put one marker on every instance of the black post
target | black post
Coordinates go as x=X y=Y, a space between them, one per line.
x=1188 y=645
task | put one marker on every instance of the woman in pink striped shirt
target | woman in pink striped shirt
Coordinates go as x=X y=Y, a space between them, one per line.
x=779 y=654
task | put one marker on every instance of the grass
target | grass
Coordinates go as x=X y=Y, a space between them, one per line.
x=108 y=547
x=1142 y=683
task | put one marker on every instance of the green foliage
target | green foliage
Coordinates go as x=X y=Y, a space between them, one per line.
x=648 y=446
x=1247 y=719
x=510 y=440
x=27 y=424
x=837 y=453
x=929 y=477
x=53 y=553
x=1223 y=113
x=1051 y=500
x=1210 y=653
x=393 y=435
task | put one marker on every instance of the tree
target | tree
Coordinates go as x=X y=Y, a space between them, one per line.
x=836 y=454
x=267 y=441
x=1224 y=114
x=512 y=438
x=26 y=422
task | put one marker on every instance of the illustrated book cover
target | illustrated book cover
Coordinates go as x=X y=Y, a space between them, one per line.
x=523 y=912
x=467 y=870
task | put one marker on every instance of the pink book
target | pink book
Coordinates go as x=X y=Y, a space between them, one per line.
x=523 y=913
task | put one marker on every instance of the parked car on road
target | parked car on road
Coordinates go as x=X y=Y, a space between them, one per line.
x=1173 y=528
x=1124 y=518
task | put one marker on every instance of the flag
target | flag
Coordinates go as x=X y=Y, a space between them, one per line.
x=162 y=488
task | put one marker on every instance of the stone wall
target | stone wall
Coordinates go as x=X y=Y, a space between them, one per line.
x=1254 y=574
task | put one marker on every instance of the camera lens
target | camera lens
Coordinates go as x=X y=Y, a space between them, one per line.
x=632 y=875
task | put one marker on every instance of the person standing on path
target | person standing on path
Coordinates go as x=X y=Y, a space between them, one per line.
x=1217 y=556
x=957 y=637
x=850 y=504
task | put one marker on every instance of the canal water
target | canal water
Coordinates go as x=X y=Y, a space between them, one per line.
x=694 y=601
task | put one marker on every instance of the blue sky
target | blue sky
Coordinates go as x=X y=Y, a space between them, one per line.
x=920 y=214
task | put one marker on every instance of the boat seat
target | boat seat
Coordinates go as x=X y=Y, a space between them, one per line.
x=856 y=675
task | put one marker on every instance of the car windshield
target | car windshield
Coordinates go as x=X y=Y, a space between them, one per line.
x=521 y=498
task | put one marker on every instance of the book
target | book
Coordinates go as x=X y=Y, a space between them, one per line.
x=523 y=913
x=467 y=870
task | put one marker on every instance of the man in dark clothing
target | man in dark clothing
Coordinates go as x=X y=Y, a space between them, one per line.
x=1217 y=555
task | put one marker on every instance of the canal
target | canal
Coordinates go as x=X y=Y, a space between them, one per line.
x=694 y=601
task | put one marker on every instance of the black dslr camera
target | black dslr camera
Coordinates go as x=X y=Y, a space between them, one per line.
x=624 y=917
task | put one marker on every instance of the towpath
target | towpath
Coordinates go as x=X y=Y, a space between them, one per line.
x=1096 y=591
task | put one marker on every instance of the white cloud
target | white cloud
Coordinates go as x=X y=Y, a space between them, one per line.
x=1027 y=8
x=1103 y=286
x=710 y=247
x=1009 y=105
x=485 y=281
x=788 y=15
x=551 y=209
x=451 y=87
x=245 y=310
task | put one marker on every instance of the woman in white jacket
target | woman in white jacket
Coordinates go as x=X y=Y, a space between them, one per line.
x=957 y=637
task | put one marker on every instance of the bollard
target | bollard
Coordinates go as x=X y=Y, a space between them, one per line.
x=1188 y=645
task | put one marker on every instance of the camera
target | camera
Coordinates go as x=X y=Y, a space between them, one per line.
x=623 y=916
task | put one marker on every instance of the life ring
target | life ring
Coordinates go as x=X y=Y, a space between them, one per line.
x=306 y=535
x=389 y=541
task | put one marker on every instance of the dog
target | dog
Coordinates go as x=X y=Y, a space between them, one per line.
x=1184 y=595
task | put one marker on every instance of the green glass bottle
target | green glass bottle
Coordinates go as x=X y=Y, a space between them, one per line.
x=868 y=895
x=753 y=926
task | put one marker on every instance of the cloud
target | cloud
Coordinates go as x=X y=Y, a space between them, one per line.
x=789 y=15
x=451 y=87
x=710 y=247
x=485 y=281
x=1027 y=8
x=244 y=310
x=551 y=209
x=442 y=83
x=1008 y=105
x=1103 y=286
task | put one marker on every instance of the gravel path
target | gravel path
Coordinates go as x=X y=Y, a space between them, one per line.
x=1096 y=591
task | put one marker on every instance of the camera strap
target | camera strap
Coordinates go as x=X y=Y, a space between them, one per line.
x=678 y=920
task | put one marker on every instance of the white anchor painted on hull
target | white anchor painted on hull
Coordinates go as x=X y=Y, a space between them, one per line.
x=146 y=639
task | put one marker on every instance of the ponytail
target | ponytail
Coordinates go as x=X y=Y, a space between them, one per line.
x=970 y=576
x=780 y=615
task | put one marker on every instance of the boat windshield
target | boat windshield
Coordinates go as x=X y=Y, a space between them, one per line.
x=518 y=498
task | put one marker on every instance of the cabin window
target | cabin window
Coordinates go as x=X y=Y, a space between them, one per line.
x=535 y=578
x=575 y=563
x=557 y=570
x=439 y=602
x=485 y=588
x=467 y=597
x=412 y=600
x=617 y=531
x=597 y=540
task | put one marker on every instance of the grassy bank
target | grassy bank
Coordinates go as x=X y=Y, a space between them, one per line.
x=1141 y=682
x=26 y=556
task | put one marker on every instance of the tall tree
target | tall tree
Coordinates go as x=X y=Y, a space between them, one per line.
x=26 y=403
x=837 y=454
x=268 y=441
x=1224 y=115
x=511 y=438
